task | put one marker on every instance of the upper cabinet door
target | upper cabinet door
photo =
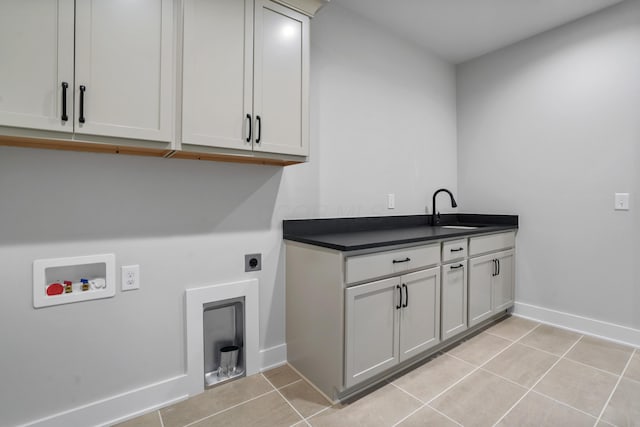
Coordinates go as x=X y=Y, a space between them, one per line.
x=217 y=73
x=124 y=71
x=36 y=50
x=281 y=73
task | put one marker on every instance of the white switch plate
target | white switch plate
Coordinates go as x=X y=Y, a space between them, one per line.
x=130 y=277
x=391 y=201
x=621 y=202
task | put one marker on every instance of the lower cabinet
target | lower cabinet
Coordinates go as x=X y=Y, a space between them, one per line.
x=389 y=321
x=454 y=299
x=491 y=285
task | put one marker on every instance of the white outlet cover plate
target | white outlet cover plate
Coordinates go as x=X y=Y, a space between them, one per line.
x=130 y=277
x=621 y=201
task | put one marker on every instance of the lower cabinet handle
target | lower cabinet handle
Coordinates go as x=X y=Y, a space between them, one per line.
x=399 y=297
x=259 y=130
x=406 y=296
x=453 y=267
x=64 y=117
x=498 y=273
x=82 y=89
x=249 y=118
x=398 y=261
x=495 y=267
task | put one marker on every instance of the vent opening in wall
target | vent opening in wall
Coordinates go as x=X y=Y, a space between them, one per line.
x=223 y=341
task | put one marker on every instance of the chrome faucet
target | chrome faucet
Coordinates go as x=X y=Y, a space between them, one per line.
x=435 y=216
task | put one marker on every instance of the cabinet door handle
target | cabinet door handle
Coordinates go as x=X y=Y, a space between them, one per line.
x=453 y=267
x=406 y=296
x=81 y=118
x=249 y=118
x=457 y=249
x=64 y=117
x=399 y=261
x=399 y=297
x=495 y=267
x=498 y=262
x=259 y=130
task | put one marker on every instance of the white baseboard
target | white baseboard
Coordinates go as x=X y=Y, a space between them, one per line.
x=131 y=403
x=583 y=325
x=273 y=357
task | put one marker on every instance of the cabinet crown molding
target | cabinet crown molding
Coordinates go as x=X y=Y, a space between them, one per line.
x=308 y=7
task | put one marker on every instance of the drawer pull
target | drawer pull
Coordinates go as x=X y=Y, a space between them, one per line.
x=457 y=249
x=396 y=261
x=454 y=267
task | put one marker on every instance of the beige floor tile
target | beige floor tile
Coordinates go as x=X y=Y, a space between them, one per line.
x=304 y=398
x=479 y=349
x=624 y=408
x=553 y=340
x=152 y=419
x=601 y=354
x=427 y=417
x=521 y=364
x=430 y=379
x=384 y=407
x=577 y=385
x=214 y=400
x=536 y=410
x=479 y=400
x=281 y=376
x=633 y=371
x=512 y=328
x=268 y=410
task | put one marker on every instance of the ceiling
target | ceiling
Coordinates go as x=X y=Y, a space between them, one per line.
x=459 y=30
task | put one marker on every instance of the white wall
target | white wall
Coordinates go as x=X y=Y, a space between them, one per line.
x=383 y=120
x=549 y=129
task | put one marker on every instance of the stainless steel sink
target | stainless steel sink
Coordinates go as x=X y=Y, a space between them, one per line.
x=460 y=227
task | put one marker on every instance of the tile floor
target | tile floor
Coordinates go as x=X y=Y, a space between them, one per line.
x=514 y=373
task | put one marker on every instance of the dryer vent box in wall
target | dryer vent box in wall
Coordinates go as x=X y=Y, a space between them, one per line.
x=74 y=279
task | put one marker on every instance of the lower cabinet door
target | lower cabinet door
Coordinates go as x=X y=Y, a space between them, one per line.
x=504 y=281
x=481 y=273
x=420 y=312
x=371 y=329
x=454 y=299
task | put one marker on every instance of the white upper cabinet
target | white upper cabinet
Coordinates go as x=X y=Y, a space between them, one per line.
x=36 y=50
x=217 y=73
x=245 y=76
x=124 y=57
x=281 y=84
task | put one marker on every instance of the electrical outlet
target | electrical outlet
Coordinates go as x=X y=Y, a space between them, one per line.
x=391 y=201
x=130 y=277
x=621 y=202
x=252 y=262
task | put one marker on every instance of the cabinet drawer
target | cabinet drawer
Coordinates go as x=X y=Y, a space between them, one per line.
x=455 y=249
x=370 y=266
x=491 y=243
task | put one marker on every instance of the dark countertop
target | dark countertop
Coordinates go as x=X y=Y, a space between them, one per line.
x=350 y=234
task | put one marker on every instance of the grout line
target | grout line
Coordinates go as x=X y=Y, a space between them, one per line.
x=409 y=415
x=444 y=415
x=287 y=385
x=539 y=379
x=319 y=412
x=422 y=402
x=539 y=349
x=302 y=418
x=160 y=417
x=616 y=386
x=559 y=402
x=229 y=408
